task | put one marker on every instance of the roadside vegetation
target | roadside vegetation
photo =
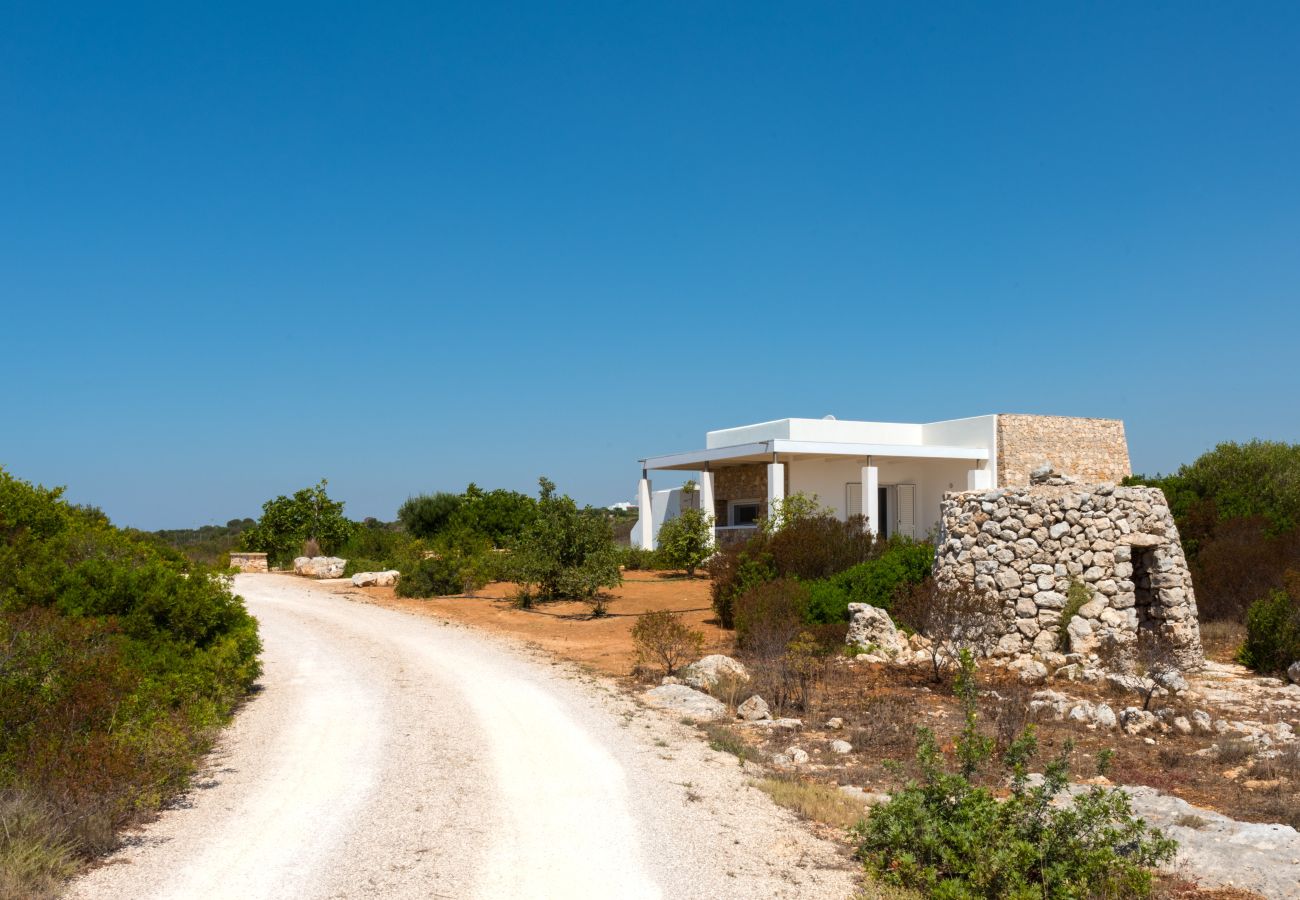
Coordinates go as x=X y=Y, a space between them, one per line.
x=119 y=658
x=209 y=545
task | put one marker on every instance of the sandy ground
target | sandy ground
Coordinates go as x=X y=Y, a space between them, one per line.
x=566 y=628
x=388 y=755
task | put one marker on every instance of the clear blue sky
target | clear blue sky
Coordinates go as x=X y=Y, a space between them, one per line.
x=407 y=246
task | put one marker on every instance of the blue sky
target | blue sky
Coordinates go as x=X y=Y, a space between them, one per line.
x=407 y=246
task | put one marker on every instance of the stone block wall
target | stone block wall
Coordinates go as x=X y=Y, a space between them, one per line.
x=1028 y=544
x=746 y=482
x=1090 y=450
x=249 y=562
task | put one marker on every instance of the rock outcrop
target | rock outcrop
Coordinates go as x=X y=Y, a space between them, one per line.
x=684 y=701
x=706 y=673
x=319 y=566
x=387 y=578
x=871 y=630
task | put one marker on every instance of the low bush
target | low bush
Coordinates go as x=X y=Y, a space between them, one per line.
x=686 y=540
x=735 y=571
x=951 y=838
x=460 y=562
x=376 y=547
x=425 y=515
x=663 y=639
x=117 y=662
x=1273 y=629
x=901 y=564
x=770 y=615
x=638 y=559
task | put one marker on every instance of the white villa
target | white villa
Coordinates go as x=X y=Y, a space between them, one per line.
x=894 y=474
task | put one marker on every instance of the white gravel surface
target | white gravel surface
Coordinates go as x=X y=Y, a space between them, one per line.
x=390 y=755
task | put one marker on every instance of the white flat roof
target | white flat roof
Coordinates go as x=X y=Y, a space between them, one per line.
x=762 y=451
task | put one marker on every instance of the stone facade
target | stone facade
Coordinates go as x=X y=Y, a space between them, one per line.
x=1028 y=544
x=747 y=482
x=1090 y=450
x=248 y=562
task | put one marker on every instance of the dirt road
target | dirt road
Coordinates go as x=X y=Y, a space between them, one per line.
x=390 y=755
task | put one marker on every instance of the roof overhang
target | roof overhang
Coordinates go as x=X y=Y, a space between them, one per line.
x=762 y=451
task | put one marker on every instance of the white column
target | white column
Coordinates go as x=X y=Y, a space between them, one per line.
x=978 y=479
x=775 y=486
x=706 y=501
x=645 y=536
x=871 y=497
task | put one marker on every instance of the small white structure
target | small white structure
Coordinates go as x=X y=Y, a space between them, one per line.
x=894 y=474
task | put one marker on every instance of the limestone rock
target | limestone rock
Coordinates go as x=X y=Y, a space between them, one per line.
x=1293 y=672
x=871 y=629
x=753 y=709
x=319 y=566
x=708 y=672
x=387 y=578
x=841 y=747
x=685 y=701
x=835 y=723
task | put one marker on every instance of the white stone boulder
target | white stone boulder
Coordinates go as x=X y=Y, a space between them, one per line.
x=319 y=566
x=841 y=747
x=871 y=629
x=686 y=702
x=754 y=709
x=708 y=672
x=1293 y=672
x=387 y=578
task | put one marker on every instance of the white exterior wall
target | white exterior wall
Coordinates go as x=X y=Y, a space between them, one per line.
x=932 y=478
x=977 y=431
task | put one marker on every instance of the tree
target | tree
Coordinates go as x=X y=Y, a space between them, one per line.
x=287 y=523
x=566 y=552
x=499 y=515
x=685 y=542
x=427 y=514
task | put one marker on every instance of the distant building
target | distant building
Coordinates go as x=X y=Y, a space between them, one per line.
x=622 y=506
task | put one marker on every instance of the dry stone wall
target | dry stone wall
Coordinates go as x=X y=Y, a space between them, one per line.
x=1028 y=544
x=1092 y=450
x=746 y=482
x=248 y=562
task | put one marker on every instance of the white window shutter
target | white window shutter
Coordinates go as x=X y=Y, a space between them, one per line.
x=852 y=499
x=907 y=510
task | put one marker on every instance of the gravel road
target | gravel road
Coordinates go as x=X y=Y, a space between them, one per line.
x=389 y=755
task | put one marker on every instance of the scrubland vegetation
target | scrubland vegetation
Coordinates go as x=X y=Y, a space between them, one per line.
x=118 y=659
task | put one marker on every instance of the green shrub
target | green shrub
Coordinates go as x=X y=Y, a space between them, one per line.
x=1076 y=597
x=119 y=659
x=686 y=541
x=427 y=514
x=499 y=515
x=638 y=559
x=735 y=571
x=460 y=562
x=661 y=637
x=902 y=564
x=288 y=523
x=376 y=547
x=950 y=838
x=1273 y=630
x=565 y=553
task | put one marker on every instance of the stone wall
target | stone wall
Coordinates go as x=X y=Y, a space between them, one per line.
x=1028 y=544
x=1090 y=450
x=745 y=482
x=248 y=562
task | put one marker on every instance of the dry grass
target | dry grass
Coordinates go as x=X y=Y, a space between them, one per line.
x=816 y=802
x=1221 y=640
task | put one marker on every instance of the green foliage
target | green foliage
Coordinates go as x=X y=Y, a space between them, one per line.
x=901 y=564
x=791 y=510
x=735 y=572
x=208 y=544
x=458 y=563
x=1273 y=630
x=662 y=638
x=638 y=559
x=376 y=546
x=427 y=514
x=950 y=838
x=287 y=523
x=686 y=541
x=499 y=515
x=119 y=658
x=566 y=552
x=1078 y=596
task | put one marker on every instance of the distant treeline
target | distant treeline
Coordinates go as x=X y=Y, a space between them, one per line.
x=208 y=544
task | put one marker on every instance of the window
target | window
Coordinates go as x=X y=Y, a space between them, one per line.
x=742 y=512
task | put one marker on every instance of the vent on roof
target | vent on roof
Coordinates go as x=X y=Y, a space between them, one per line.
x=828 y=418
